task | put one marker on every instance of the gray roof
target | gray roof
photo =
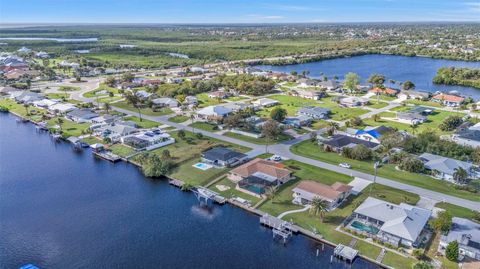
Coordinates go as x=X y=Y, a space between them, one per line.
x=411 y=116
x=165 y=101
x=340 y=141
x=222 y=154
x=404 y=221
x=465 y=232
x=82 y=114
x=443 y=164
x=314 y=111
x=470 y=135
x=215 y=111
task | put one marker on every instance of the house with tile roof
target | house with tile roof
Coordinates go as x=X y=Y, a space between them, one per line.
x=397 y=225
x=307 y=190
x=448 y=99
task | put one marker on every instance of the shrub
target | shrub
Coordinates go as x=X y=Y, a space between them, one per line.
x=451 y=252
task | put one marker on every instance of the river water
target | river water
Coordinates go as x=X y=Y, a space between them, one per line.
x=419 y=70
x=65 y=209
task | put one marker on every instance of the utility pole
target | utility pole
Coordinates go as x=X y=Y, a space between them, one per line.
x=375 y=167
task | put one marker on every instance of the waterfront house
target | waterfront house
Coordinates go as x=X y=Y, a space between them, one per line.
x=467 y=234
x=307 y=190
x=411 y=118
x=306 y=82
x=353 y=101
x=314 y=112
x=223 y=157
x=44 y=103
x=165 y=102
x=397 y=225
x=115 y=131
x=418 y=95
x=255 y=176
x=81 y=115
x=448 y=99
x=330 y=85
x=26 y=97
x=265 y=102
x=148 y=140
x=62 y=108
x=385 y=91
x=444 y=168
x=339 y=141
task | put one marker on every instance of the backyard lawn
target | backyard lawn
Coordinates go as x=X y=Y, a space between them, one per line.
x=194 y=176
x=232 y=192
x=142 y=124
x=314 y=151
x=378 y=105
x=204 y=100
x=19 y=109
x=69 y=128
x=259 y=141
x=145 y=111
x=206 y=126
x=121 y=150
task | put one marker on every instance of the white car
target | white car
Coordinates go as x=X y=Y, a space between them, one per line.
x=276 y=158
x=345 y=165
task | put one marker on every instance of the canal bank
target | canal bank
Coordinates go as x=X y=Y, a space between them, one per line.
x=62 y=208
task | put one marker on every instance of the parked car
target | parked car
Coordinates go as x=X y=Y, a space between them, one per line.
x=276 y=158
x=345 y=165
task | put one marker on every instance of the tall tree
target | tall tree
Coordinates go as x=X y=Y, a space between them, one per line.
x=270 y=130
x=377 y=80
x=278 y=114
x=408 y=85
x=351 y=81
x=460 y=175
x=319 y=207
x=135 y=101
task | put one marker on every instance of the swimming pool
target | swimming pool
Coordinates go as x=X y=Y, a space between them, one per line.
x=364 y=228
x=202 y=166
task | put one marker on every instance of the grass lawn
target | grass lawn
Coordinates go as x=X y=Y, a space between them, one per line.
x=121 y=150
x=108 y=99
x=91 y=140
x=191 y=175
x=19 y=109
x=431 y=252
x=422 y=103
x=69 y=128
x=145 y=111
x=56 y=95
x=236 y=98
x=102 y=87
x=319 y=124
x=458 y=211
x=232 y=192
x=178 y=119
x=378 y=105
x=259 y=141
x=383 y=97
x=313 y=151
x=283 y=202
x=204 y=100
x=142 y=124
x=206 y=126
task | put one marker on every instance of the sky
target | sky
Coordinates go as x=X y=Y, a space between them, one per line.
x=236 y=11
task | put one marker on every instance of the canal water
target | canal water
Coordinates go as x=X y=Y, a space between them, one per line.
x=66 y=209
x=419 y=70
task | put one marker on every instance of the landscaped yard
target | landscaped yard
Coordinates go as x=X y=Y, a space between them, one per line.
x=259 y=141
x=232 y=192
x=142 y=124
x=194 y=176
x=206 y=126
x=145 y=111
x=69 y=128
x=58 y=96
x=121 y=150
x=458 y=211
x=91 y=140
x=378 y=105
x=314 y=151
x=283 y=202
x=422 y=103
x=178 y=119
x=102 y=87
x=19 y=109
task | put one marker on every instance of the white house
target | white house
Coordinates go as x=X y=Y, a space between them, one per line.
x=307 y=190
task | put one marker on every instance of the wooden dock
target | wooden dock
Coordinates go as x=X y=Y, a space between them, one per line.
x=345 y=253
x=106 y=155
x=176 y=182
x=205 y=194
x=276 y=223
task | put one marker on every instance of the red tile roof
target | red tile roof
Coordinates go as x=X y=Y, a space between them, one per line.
x=449 y=98
x=264 y=166
x=322 y=190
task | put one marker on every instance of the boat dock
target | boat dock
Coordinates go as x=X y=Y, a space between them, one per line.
x=276 y=223
x=107 y=155
x=345 y=253
x=176 y=182
x=204 y=195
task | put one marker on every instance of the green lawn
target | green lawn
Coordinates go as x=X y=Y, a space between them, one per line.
x=383 y=97
x=68 y=88
x=69 y=128
x=236 y=98
x=259 y=141
x=206 y=126
x=191 y=175
x=19 y=109
x=458 y=211
x=57 y=95
x=232 y=192
x=91 y=140
x=144 y=111
x=102 y=87
x=204 y=100
x=142 y=124
x=108 y=99
x=283 y=202
x=178 y=119
x=422 y=103
x=378 y=105
x=313 y=151
x=121 y=150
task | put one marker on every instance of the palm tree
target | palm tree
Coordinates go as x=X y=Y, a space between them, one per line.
x=319 y=207
x=26 y=106
x=59 y=121
x=271 y=192
x=333 y=126
x=107 y=107
x=460 y=175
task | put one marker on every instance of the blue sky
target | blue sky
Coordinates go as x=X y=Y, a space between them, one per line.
x=235 y=11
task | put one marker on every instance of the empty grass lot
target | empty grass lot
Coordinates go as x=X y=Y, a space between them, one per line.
x=145 y=111
x=259 y=141
x=142 y=124
x=178 y=119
